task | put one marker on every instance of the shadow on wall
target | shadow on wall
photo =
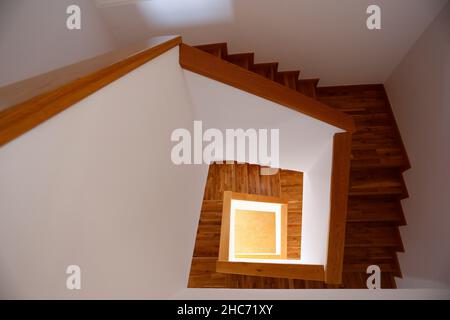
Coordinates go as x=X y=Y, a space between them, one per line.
x=147 y=19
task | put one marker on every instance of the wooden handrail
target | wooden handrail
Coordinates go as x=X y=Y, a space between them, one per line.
x=340 y=173
x=28 y=103
x=200 y=62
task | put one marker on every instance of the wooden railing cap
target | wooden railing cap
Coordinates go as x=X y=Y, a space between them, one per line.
x=28 y=103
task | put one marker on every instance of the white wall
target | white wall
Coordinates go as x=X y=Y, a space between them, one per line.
x=95 y=186
x=34 y=38
x=419 y=90
x=305 y=145
x=221 y=106
x=316 y=207
x=325 y=38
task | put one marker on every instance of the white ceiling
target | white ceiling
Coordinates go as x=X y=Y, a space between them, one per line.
x=322 y=38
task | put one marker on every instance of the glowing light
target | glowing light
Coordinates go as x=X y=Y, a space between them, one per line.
x=170 y=13
x=254 y=206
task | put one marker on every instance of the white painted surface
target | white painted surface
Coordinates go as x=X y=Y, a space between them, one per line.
x=316 y=208
x=34 y=38
x=327 y=38
x=419 y=90
x=305 y=145
x=94 y=186
x=221 y=106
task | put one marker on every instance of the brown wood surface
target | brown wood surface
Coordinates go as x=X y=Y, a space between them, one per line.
x=340 y=172
x=290 y=271
x=28 y=103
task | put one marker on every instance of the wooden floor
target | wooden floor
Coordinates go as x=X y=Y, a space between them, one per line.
x=376 y=187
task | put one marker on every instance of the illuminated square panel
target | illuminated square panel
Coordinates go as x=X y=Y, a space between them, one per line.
x=255 y=232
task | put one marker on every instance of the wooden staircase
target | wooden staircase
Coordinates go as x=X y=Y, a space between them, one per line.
x=376 y=186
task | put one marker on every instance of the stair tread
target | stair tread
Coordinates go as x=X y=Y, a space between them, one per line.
x=308 y=87
x=288 y=78
x=375 y=210
x=218 y=49
x=268 y=70
x=378 y=182
x=364 y=234
x=244 y=60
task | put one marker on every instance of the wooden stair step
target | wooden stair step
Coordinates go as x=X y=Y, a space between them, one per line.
x=206 y=248
x=291 y=183
x=308 y=87
x=380 y=133
x=240 y=178
x=244 y=60
x=203 y=274
x=219 y=50
x=358 y=259
x=212 y=206
x=388 y=281
x=372 y=119
x=211 y=218
x=352 y=105
x=267 y=70
x=288 y=78
x=379 y=182
x=357 y=91
x=360 y=263
x=357 y=280
x=358 y=254
x=362 y=209
x=263 y=185
x=377 y=157
x=363 y=234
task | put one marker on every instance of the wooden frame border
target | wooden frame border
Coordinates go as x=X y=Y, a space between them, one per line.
x=283 y=270
x=224 y=246
x=228 y=196
x=340 y=176
x=280 y=270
